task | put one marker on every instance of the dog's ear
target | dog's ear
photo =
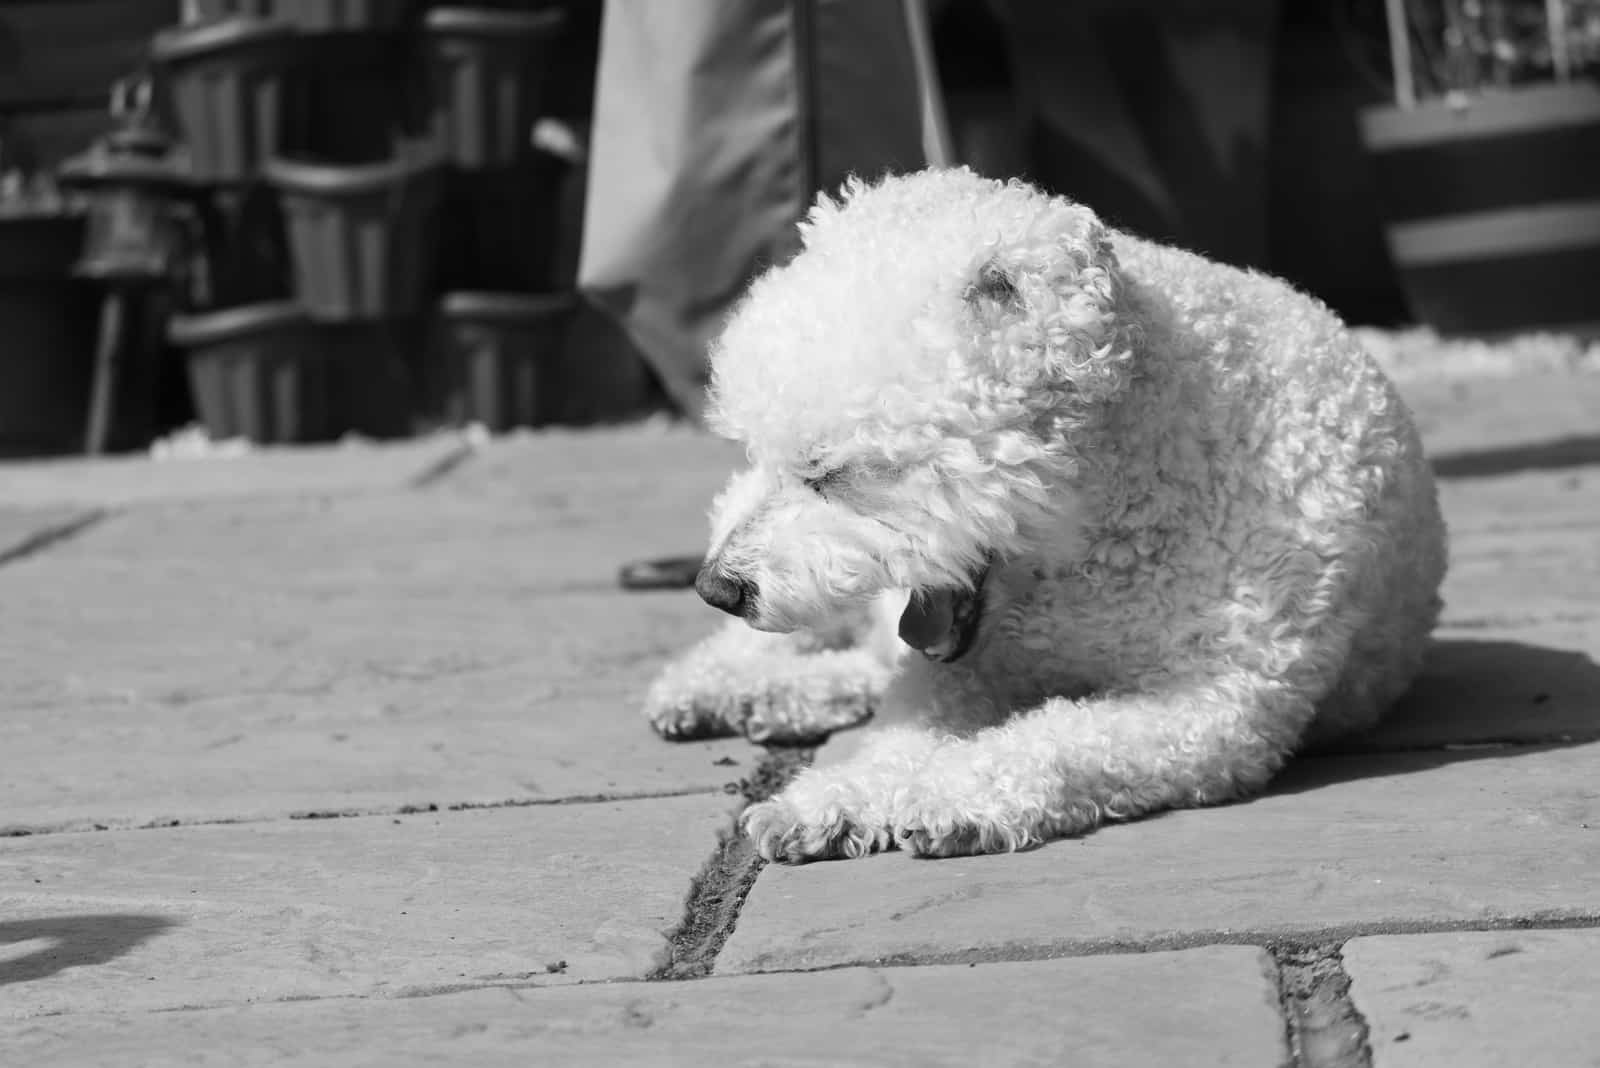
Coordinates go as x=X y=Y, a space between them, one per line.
x=1052 y=303
x=995 y=286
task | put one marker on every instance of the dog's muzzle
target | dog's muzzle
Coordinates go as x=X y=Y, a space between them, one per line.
x=942 y=623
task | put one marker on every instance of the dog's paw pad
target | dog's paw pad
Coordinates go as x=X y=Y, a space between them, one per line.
x=929 y=829
x=780 y=833
x=684 y=716
x=677 y=724
x=954 y=842
x=803 y=719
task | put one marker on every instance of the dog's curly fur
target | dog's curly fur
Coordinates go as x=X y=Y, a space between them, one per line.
x=1197 y=516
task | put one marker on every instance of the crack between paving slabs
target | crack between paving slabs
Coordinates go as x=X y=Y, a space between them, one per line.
x=1323 y=1026
x=54 y=535
x=718 y=891
x=364 y=813
x=1552 y=740
x=1554 y=920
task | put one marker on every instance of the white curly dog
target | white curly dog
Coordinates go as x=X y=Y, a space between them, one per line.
x=1154 y=524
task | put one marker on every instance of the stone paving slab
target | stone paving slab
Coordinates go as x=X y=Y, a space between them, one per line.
x=1528 y=576
x=1523 y=548
x=1517 y=655
x=228 y=703
x=350 y=467
x=452 y=545
x=132 y=921
x=239 y=763
x=1212 y=1006
x=1500 y=998
x=269 y=656
x=592 y=468
x=1499 y=423
x=1528 y=500
x=277 y=587
x=1375 y=842
x=1476 y=689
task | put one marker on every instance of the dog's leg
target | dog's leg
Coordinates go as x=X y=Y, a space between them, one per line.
x=1068 y=766
x=844 y=810
x=842 y=805
x=782 y=688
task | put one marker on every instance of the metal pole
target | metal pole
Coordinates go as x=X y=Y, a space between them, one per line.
x=1555 y=14
x=107 y=357
x=936 y=140
x=1405 y=87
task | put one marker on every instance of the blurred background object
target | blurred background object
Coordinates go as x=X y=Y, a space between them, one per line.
x=131 y=185
x=716 y=123
x=380 y=216
x=1489 y=162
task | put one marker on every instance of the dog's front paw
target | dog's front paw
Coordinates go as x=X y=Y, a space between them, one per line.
x=800 y=828
x=960 y=815
x=781 y=832
x=934 y=831
x=796 y=710
x=805 y=709
x=755 y=684
x=684 y=712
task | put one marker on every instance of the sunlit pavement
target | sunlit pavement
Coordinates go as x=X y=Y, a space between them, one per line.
x=340 y=750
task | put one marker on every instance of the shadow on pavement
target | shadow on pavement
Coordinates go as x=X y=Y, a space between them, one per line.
x=74 y=942
x=1474 y=699
x=1564 y=452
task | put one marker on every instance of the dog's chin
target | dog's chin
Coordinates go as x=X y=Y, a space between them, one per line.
x=941 y=623
x=770 y=626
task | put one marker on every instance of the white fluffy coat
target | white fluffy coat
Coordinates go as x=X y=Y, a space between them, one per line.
x=1209 y=528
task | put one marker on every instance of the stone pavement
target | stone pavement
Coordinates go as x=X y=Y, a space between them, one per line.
x=337 y=751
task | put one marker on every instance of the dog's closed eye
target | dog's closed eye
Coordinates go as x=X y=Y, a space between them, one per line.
x=821 y=482
x=857 y=478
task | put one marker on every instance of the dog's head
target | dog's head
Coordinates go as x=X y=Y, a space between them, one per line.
x=910 y=390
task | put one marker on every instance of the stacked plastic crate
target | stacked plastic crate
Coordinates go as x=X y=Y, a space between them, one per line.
x=498 y=325
x=358 y=158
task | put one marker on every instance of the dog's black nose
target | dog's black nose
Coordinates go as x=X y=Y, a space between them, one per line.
x=721 y=590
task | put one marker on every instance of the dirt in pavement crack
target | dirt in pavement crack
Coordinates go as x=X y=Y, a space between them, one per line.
x=1325 y=1030
x=718 y=891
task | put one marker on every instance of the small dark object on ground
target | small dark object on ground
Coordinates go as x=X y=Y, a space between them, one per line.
x=667 y=573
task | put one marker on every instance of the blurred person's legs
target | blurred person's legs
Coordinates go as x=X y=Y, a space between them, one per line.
x=1152 y=112
x=716 y=122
